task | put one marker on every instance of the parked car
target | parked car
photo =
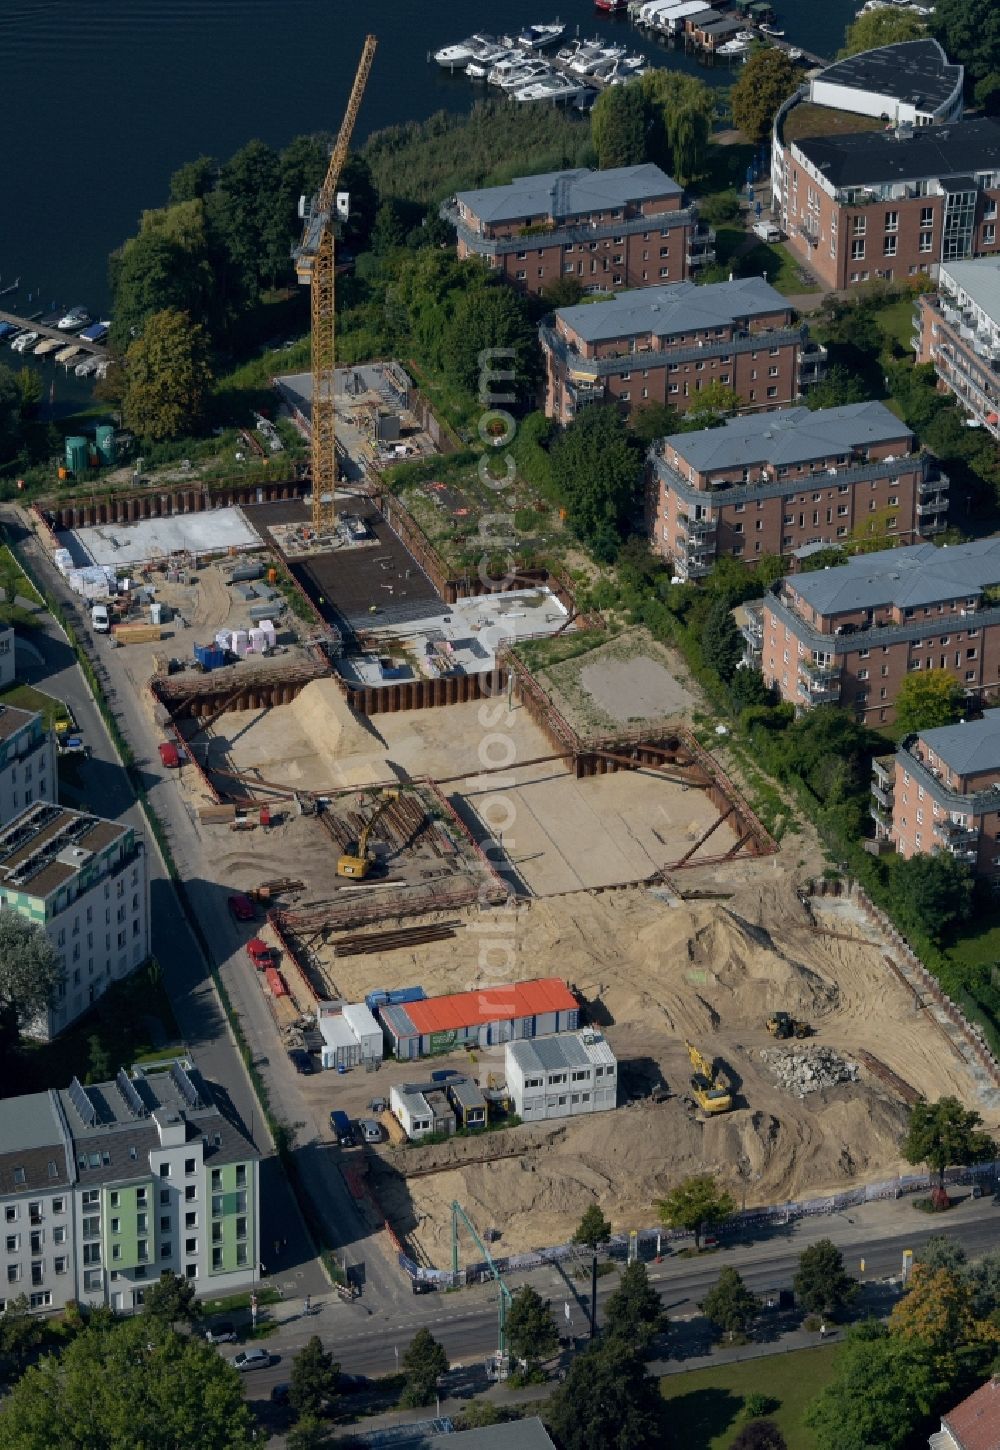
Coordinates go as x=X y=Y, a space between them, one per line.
x=100 y=619
x=341 y=1125
x=371 y=1131
x=241 y=908
x=170 y=756
x=378 y=1105
x=301 y=1060
x=279 y=1394
x=260 y=954
x=222 y=1332
x=249 y=1359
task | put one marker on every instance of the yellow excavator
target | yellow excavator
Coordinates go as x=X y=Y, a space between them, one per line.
x=710 y=1090
x=358 y=865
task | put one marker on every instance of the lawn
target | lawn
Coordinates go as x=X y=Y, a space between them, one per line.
x=705 y=1404
x=131 y=1022
x=776 y=262
x=26 y=697
x=895 y=321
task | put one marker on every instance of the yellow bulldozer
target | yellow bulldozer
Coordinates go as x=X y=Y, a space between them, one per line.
x=783 y=1024
x=357 y=864
x=709 y=1086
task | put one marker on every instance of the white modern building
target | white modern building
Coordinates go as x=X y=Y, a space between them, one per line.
x=27 y=752
x=86 y=880
x=422 y=1109
x=104 y=1188
x=559 y=1077
x=910 y=83
x=351 y=1035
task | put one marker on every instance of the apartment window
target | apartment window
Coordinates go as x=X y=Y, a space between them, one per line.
x=859 y=226
x=166 y=1250
x=190 y=1246
x=92 y=1281
x=164 y=1223
x=926 y=242
x=217 y=1227
x=13 y=1243
x=164 y=1195
x=19 y=1176
x=141 y=1222
x=91 y=1253
x=242 y=1258
x=191 y=1220
x=164 y=1167
x=241 y=1228
x=216 y=1205
x=989 y=234
x=60 y=1264
x=772 y=392
x=116 y=1225
x=13 y=1273
x=11 y=1214
x=43 y=1299
x=889 y=247
x=926 y=216
x=772 y=372
x=116 y=1253
x=140 y=1197
x=892 y=221
x=858 y=250
x=216 y=1179
x=190 y=1193
x=216 y=1258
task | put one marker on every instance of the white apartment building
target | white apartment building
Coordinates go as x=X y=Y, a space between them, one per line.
x=27 y=751
x=104 y=1188
x=86 y=880
x=558 y=1077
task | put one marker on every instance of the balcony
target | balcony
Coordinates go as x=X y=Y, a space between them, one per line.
x=807 y=235
x=884 y=771
x=812 y=362
x=884 y=797
x=701 y=247
x=697 y=529
x=697 y=567
x=956 y=833
x=881 y=817
x=934 y=483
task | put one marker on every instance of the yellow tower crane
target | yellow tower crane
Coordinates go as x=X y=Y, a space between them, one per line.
x=314 y=266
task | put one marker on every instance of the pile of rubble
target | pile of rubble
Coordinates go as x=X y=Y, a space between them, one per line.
x=802 y=1070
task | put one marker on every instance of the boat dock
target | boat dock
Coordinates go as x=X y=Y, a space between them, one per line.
x=96 y=348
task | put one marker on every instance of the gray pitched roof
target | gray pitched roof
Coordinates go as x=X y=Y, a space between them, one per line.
x=529 y=1434
x=909 y=578
x=32 y=1139
x=683 y=307
x=915 y=72
x=869 y=157
x=968 y=748
x=789 y=436
x=980 y=279
x=562 y=194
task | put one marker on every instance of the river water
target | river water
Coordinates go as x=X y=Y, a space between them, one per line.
x=103 y=99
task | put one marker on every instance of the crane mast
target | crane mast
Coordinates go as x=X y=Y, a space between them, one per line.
x=315 y=262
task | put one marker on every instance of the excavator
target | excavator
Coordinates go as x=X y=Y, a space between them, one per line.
x=783 y=1024
x=711 y=1092
x=358 y=864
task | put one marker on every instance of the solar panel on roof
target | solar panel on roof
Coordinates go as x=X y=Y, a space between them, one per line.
x=185 y=1086
x=84 y=1107
x=132 y=1100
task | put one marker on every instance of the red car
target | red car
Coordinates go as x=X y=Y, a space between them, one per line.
x=260 y=954
x=241 y=908
x=170 y=756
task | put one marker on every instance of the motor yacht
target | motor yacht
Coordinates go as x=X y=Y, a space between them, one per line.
x=537 y=37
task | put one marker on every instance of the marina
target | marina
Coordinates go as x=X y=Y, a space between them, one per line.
x=29 y=325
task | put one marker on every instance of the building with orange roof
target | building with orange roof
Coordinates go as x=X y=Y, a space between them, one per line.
x=492 y=1014
x=974 y=1424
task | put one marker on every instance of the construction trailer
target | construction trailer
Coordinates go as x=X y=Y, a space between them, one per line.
x=351 y=1035
x=487 y=1017
x=422 y=1109
x=560 y=1077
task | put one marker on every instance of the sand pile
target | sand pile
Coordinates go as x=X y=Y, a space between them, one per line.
x=352 y=751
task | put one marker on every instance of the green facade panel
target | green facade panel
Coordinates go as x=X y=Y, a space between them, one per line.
x=233 y=1200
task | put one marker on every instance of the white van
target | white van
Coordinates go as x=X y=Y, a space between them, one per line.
x=767 y=231
x=100 y=619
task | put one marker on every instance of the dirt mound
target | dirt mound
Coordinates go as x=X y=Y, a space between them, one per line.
x=353 y=752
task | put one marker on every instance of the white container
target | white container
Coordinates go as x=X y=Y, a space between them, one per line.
x=224 y=639
x=241 y=642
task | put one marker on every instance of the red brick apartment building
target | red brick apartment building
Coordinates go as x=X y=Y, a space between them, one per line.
x=941 y=792
x=852 y=634
x=628 y=226
x=773 y=483
x=888 y=204
x=665 y=344
x=958 y=330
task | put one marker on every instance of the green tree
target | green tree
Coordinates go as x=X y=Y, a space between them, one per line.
x=314 y=1379
x=711 y=407
x=748 y=688
x=424 y=1363
x=840 y=385
x=984 y=1281
x=888 y=26
x=931 y=893
x=29 y=972
x=172 y=1298
x=531 y=1330
x=722 y=645
x=946 y=1134
x=562 y=292
x=99 y=1066
x=760 y=1435
x=30 y=390
x=597 y=471
x=969 y=30
x=607 y=1402
x=696 y=1204
x=680 y=115
x=634 y=1312
x=936 y=1314
x=167 y=377
x=618 y=124
x=593 y=1228
x=156 y=272
x=10 y=413
x=388 y=232
x=491 y=316
x=941 y=1251
x=20 y=1330
x=881 y=1392
x=730 y=1306
x=928 y=698
x=136 y=1383
x=253 y=217
x=821 y=1284
x=356 y=180
x=309 y=1433
x=194 y=180
x=652 y=421
x=720 y=210
x=766 y=81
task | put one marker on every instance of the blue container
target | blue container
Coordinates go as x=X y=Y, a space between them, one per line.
x=399 y=996
x=209 y=656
